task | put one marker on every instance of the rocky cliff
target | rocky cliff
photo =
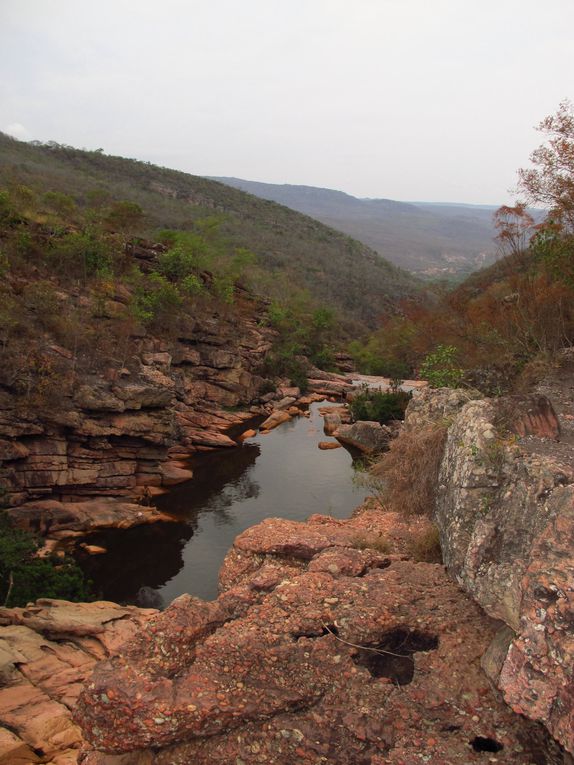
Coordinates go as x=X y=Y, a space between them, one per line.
x=107 y=436
x=505 y=512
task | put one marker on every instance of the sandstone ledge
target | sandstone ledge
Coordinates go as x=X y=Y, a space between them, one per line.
x=319 y=649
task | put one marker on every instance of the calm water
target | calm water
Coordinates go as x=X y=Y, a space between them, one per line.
x=282 y=474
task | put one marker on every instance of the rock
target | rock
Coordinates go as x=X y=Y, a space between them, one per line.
x=430 y=405
x=46 y=652
x=330 y=423
x=110 y=434
x=12 y=450
x=275 y=419
x=337 y=387
x=276 y=671
x=532 y=416
x=62 y=519
x=329 y=445
x=287 y=391
x=97 y=399
x=366 y=437
x=284 y=403
x=157 y=359
x=247 y=434
x=506 y=521
x=174 y=472
x=93 y=549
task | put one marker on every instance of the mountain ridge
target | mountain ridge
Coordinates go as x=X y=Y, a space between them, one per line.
x=330 y=265
x=430 y=239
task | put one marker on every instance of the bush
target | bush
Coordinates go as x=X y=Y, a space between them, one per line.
x=410 y=470
x=425 y=546
x=440 y=368
x=377 y=406
x=24 y=577
x=284 y=363
x=156 y=301
x=370 y=541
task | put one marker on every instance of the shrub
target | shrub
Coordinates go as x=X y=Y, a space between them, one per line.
x=379 y=406
x=440 y=368
x=369 y=540
x=156 y=301
x=424 y=547
x=284 y=363
x=24 y=577
x=410 y=470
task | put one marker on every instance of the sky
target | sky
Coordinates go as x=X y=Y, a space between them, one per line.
x=430 y=100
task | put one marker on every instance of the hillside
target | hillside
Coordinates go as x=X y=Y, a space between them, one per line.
x=291 y=249
x=430 y=240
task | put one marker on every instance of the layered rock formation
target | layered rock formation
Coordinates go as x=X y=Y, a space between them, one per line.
x=124 y=432
x=47 y=651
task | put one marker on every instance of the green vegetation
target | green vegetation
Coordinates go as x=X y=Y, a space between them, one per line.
x=24 y=577
x=379 y=406
x=125 y=196
x=440 y=368
x=509 y=320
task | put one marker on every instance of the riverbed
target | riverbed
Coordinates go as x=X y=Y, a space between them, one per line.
x=280 y=474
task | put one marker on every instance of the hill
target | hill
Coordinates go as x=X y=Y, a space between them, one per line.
x=430 y=240
x=291 y=249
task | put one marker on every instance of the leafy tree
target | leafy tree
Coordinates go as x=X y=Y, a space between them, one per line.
x=379 y=406
x=124 y=216
x=24 y=577
x=441 y=369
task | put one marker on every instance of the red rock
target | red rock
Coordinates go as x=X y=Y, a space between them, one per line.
x=273 y=670
x=329 y=445
x=275 y=419
x=247 y=434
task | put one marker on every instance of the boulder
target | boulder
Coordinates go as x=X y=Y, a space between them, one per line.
x=275 y=419
x=284 y=403
x=326 y=445
x=366 y=437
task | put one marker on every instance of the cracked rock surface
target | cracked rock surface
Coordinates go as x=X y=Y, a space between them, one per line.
x=317 y=651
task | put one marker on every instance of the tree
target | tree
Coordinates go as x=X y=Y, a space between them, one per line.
x=550 y=182
x=515 y=228
x=25 y=577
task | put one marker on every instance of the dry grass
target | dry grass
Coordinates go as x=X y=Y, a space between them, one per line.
x=371 y=541
x=410 y=470
x=425 y=546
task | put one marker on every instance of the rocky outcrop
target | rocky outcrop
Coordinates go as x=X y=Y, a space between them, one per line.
x=320 y=648
x=125 y=432
x=505 y=512
x=47 y=651
x=368 y=438
x=62 y=520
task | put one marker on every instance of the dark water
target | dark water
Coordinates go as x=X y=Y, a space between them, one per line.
x=282 y=474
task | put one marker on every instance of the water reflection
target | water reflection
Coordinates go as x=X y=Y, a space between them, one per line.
x=281 y=474
x=145 y=556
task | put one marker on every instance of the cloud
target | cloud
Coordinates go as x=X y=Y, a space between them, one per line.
x=16 y=130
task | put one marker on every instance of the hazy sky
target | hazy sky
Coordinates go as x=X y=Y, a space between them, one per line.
x=408 y=99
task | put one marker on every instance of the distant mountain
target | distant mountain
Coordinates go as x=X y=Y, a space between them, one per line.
x=431 y=240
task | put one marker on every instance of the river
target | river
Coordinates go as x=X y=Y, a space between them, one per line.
x=281 y=474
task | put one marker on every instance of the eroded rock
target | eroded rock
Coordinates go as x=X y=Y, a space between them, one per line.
x=367 y=437
x=314 y=651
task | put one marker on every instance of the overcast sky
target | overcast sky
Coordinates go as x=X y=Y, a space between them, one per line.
x=430 y=100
